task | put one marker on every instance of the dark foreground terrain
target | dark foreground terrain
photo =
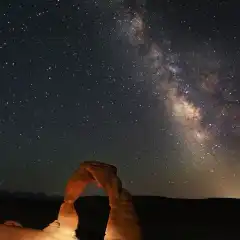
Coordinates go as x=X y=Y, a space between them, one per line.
x=160 y=218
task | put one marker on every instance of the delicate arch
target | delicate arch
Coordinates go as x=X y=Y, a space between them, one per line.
x=123 y=222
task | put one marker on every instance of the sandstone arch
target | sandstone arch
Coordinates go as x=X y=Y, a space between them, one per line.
x=123 y=222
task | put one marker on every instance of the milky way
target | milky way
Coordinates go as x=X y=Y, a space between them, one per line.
x=205 y=118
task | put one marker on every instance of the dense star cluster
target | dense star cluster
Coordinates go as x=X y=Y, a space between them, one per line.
x=120 y=83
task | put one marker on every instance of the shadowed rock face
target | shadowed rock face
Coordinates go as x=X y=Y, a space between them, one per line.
x=123 y=221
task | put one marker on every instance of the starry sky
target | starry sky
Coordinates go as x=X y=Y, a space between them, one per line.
x=152 y=88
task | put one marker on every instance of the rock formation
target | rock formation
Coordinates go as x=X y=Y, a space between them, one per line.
x=123 y=222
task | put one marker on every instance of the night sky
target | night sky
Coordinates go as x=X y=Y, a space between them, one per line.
x=153 y=90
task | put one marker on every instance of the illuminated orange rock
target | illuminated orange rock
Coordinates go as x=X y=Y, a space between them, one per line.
x=122 y=223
